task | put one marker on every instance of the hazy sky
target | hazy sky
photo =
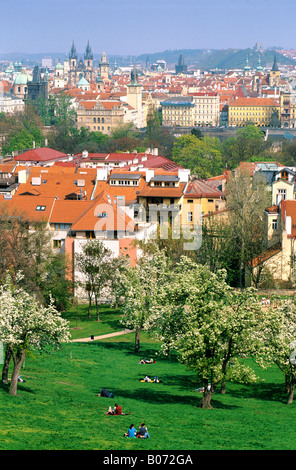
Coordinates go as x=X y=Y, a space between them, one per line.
x=132 y=27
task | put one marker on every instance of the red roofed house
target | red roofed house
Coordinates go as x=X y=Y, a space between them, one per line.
x=41 y=156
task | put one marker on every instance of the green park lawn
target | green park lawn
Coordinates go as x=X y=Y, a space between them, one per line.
x=57 y=407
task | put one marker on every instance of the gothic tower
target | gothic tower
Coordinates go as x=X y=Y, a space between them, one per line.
x=72 y=64
x=274 y=75
x=88 y=62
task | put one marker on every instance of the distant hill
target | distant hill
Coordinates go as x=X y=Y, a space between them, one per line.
x=214 y=58
x=203 y=59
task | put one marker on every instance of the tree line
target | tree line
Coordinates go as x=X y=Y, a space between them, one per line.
x=205 y=156
x=210 y=326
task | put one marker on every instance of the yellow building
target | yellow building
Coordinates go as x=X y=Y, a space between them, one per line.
x=103 y=116
x=178 y=112
x=256 y=110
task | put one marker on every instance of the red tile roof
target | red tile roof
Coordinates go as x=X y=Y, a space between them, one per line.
x=201 y=189
x=252 y=102
x=43 y=154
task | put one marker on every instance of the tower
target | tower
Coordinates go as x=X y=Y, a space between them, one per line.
x=274 y=74
x=247 y=70
x=104 y=67
x=134 y=96
x=181 y=67
x=88 y=62
x=72 y=64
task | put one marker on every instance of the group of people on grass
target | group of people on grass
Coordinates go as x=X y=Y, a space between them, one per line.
x=142 y=433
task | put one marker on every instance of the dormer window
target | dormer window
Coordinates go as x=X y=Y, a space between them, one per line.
x=284 y=175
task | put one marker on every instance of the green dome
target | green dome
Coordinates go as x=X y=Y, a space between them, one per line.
x=22 y=79
x=82 y=81
x=59 y=66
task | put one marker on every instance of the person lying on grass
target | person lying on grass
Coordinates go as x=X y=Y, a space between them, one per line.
x=147 y=361
x=105 y=393
x=147 y=378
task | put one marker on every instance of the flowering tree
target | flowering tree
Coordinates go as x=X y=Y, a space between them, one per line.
x=25 y=325
x=94 y=264
x=143 y=282
x=279 y=340
x=208 y=323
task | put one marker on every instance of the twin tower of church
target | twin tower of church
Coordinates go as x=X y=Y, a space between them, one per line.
x=84 y=68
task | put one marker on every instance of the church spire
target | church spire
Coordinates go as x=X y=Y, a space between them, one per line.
x=88 y=52
x=275 y=65
x=73 y=53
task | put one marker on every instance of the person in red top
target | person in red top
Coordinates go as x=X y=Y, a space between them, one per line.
x=118 y=409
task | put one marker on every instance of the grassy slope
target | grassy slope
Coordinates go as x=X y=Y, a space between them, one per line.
x=58 y=407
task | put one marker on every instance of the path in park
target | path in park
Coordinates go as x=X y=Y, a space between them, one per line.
x=109 y=335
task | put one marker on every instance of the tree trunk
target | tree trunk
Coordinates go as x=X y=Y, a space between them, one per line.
x=6 y=365
x=223 y=387
x=89 y=307
x=291 y=394
x=18 y=359
x=206 y=400
x=97 y=309
x=137 y=340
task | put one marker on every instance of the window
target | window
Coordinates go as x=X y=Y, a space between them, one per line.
x=282 y=194
x=40 y=208
x=274 y=224
x=62 y=226
x=284 y=175
x=57 y=243
x=102 y=215
x=189 y=217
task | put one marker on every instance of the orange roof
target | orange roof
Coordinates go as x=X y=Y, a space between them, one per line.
x=88 y=104
x=252 y=102
x=59 y=181
x=103 y=214
x=288 y=208
x=68 y=211
x=31 y=208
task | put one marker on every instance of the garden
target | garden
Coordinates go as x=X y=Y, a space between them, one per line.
x=57 y=407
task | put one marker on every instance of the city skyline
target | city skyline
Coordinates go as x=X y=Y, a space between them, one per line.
x=137 y=27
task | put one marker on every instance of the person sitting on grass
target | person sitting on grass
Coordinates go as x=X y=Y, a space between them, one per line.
x=132 y=432
x=143 y=432
x=117 y=410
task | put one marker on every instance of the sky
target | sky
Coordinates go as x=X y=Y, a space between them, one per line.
x=133 y=27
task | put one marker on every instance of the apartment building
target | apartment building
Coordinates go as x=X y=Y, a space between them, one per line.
x=252 y=110
x=178 y=112
x=206 y=108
